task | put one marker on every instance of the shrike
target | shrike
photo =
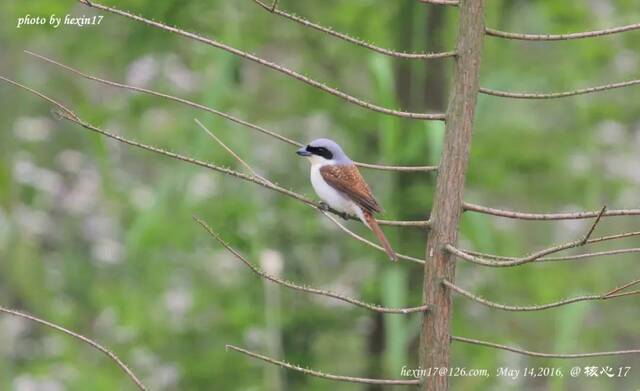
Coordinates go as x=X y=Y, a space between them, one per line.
x=339 y=184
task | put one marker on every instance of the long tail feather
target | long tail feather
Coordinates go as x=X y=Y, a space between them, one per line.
x=375 y=228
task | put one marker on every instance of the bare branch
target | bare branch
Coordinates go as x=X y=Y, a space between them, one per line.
x=63 y=113
x=231 y=152
x=440 y=2
x=384 y=167
x=615 y=291
x=307 y=289
x=593 y=226
x=166 y=96
x=547 y=216
x=478 y=299
x=367 y=242
x=41 y=95
x=536 y=255
x=630 y=293
x=512 y=261
x=551 y=95
x=350 y=39
x=539 y=354
x=322 y=375
x=82 y=338
x=221 y=114
x=561 y=37
x=268 y=64
x=434 y=346
x=556 y=259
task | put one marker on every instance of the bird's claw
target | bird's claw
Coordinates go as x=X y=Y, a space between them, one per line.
x=323 y=206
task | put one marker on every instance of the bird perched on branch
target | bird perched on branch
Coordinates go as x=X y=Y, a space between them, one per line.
x=339 y=185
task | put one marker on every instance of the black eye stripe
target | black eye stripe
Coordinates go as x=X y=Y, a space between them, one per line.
x=320 y=151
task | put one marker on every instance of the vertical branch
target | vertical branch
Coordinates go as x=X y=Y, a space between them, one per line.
x=447 y=208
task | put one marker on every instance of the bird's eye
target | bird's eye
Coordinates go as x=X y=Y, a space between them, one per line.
x=325 y=153
x=320 y=151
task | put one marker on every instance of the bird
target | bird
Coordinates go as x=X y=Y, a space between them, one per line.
x=339 y=184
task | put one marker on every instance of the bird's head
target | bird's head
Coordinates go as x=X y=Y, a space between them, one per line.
x=324 y=151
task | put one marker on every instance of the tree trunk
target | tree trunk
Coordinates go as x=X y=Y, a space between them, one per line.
x=445 y=216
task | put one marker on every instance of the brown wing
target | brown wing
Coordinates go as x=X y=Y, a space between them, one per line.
x=347 y=180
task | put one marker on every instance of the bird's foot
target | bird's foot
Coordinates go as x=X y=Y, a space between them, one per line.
x=323 y=206
x=345 y=216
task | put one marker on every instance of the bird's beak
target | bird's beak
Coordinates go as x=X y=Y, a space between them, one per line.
x=303 y=152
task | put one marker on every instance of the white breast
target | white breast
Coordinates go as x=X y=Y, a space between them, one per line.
x=331 y=196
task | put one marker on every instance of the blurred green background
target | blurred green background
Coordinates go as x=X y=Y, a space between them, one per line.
x=99 y=237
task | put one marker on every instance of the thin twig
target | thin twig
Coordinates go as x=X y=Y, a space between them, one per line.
x=620 y=288
x=536 y=255
x=440 y=2
x=222 y=114
x=515 y=308
x=230 y=151
x=315 y=291
x=82 y=338
x=561 y=37
x=367 y=242
x=385 y=167
x=41 y=95
x=165 y=96
x=539 y=354
x=467 y=206
x=551 y=95
x=75 y=119
x=630 y=293
x=557 y=259
x=593 y=226
x=269 y=64
x=322 y=375
x=350 y=39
